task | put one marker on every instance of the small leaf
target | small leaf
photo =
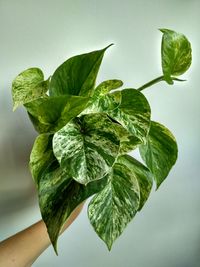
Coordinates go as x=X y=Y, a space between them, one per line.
x=77 y=75
x=27 y=86
x=55 y=112
x=87 y=147
x=59 y=195
x=143 y=175
x=114 y=207
x=107 y=86
x=176 y=54
x=41 y=156
x=160 y=151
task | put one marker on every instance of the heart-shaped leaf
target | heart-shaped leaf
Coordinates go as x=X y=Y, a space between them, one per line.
x=128 y=107
x=59 y=195
x=87 y=147
x=27 y=86
x=160 y=151
x=133 y=113
x=176 y=54
x=115 y=206
x=77 y=75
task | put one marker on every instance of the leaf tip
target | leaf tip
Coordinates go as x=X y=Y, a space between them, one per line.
x=109 y=246
x=108 y=46
x=54 y=244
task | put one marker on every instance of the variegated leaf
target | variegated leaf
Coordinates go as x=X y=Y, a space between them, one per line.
x=128 y=142
x=77 y=75
x=87 y=147
x=107 y=86
x=141 y=173
x=27 y=86
x=160 y=151
x=101 y=100
x=176 y=54
x=41 y=156
x=52 y=113
x=133 y=113
x=129 y=107
x=59 y=195
x=114 y=207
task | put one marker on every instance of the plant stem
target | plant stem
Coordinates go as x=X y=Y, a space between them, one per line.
x=157 y=80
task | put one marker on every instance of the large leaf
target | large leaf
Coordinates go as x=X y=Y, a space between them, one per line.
x=77 y=75
x=128 y=107
x=59 y=195
x=160 y=151
x=113 y=208
x=27 y=86
x=55 y=112
x=133 y=113
x=176 y=54
x=87 y=147
x=141 y=173
x=41 y=156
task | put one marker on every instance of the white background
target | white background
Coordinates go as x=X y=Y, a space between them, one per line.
x=44 y=34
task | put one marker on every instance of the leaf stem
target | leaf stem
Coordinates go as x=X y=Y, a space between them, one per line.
x=157 y=80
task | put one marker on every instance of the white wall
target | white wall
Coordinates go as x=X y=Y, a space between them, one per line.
x=44 y=33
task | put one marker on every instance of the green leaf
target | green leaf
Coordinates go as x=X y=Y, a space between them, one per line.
x=160 y=151
x=107 y=86
x=176 y=54
x=39 y=126
x=141 y=173
x=113 y=208
x=27 y=86
x=41 y=156
x=101 y=100
x=133 y=113
x=127 y=142
x=49 y=114
x=128 y=107
x=77 y=75
x=87 y=147
x=59 y=195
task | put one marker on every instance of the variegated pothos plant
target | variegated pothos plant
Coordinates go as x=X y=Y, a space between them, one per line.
x=86 y=134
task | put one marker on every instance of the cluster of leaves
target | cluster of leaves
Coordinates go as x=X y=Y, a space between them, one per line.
x=86 y=133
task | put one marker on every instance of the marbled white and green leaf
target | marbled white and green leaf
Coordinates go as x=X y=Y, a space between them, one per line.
x=176 y=54
x=160 y=152
x=115 y=206
x=27 y=86
x=128 y=107
x=87 y=147
x=142 y=174
x=59 y=195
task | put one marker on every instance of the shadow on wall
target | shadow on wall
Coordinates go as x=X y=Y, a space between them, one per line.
x=16 y=139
